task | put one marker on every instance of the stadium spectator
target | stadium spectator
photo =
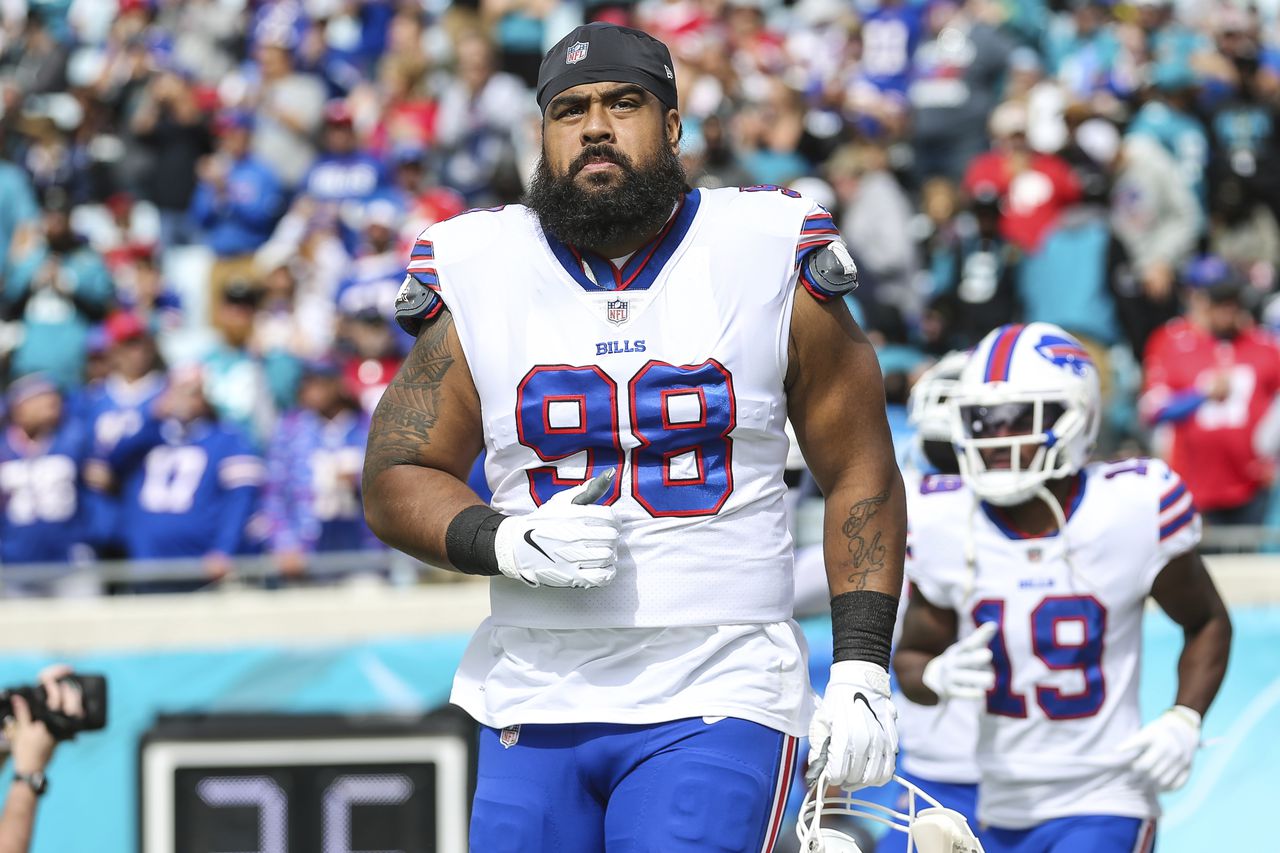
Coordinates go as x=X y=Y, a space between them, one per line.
x=18 y=208
x=37 y=59
x=288 y=107
x=1211 y=376
x=1033 y=187
x=57 y=286
x=188 y=481
x=114 y=409
x=954 y=88
x=974 y=272
x=343 y=177
x=171 y=125
x=143 y=291
x=374 y=276
x=237 y=381
x=236 y=203
x=875 y=217
x=372 y=355
x=1168 y=117
x=311 y=500
x=1157 y=221
x=42 y=486
x=480 y=111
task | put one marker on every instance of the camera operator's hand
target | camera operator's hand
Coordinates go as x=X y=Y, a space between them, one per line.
x=29 y=741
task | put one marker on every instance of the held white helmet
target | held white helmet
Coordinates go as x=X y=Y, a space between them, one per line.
x=930 y=827
x=1031 y=386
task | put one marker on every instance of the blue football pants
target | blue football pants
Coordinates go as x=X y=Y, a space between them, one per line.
x=1092 y=833
x=686 y=786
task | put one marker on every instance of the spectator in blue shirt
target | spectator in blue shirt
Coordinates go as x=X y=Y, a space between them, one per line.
x=189 y=483
x=236 y=203
x=58 y=287
x=374 y=277
x=42 y=461
x=114 y=409
x=311 y=502
x=344 y=177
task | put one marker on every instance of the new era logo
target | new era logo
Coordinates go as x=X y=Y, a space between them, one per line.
x=577 y=52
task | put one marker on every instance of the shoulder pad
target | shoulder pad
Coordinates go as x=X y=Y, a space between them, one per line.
x=833 y=268
x=415 y=304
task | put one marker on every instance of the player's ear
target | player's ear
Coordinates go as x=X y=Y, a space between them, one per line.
x=675 y=130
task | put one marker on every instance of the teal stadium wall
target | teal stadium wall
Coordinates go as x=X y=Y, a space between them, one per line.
x=92 y=803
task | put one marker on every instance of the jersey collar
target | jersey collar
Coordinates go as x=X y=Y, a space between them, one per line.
x=1001 y=520
x=643 y=267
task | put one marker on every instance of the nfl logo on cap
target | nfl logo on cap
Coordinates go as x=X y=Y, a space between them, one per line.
x=617 y=312
x=577 y=52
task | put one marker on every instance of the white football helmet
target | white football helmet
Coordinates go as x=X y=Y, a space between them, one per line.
x=1024 y=386
x=931 y=829
x=928 y=412
x=927 y=409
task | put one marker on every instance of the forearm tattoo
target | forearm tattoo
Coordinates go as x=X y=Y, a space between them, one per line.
x=866 y=553
x=410 y=407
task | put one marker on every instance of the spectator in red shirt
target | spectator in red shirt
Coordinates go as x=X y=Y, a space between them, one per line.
x=1211 y=376
x=1033 y=188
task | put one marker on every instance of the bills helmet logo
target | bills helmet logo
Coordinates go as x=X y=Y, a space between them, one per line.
x=616 y=312
x=576 y=53
x=1064 y=352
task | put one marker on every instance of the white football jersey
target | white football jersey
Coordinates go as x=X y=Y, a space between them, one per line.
x=1069 y=608
x=937 y=741
x=672 y=374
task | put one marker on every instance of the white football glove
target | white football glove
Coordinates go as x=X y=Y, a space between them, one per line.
x=1166 y=747
x=964 y=670
x=568 y=541
x=854 y=733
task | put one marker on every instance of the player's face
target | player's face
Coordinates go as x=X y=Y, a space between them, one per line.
x=1005 y=421
x=593 y=132
x=609 y=177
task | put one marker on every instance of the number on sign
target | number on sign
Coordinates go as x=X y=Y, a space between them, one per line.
x=260 y=792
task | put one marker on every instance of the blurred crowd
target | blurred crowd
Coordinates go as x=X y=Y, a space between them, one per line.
x=206 y=208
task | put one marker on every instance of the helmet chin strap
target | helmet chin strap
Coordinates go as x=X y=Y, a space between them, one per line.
x=1060 y=518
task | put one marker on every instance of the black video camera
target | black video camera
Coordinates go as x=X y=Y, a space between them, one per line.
x=93 y=699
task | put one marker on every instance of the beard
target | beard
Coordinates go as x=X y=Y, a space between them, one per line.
x=613 y=210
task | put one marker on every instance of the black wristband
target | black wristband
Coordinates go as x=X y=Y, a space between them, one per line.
x=470 y=541
x=862 y=626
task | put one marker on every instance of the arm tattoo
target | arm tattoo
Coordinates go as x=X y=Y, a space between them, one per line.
x=866 y=557
x=410 y=407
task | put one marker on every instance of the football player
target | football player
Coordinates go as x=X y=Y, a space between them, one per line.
x=937 y=741
x=626 y=351
x=1029 y=574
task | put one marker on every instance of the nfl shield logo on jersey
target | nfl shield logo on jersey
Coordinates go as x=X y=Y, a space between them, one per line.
x=617 y=312
x=577 y=52
x=510 y=735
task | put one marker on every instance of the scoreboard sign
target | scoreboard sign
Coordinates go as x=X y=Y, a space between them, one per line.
x=307 y=784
